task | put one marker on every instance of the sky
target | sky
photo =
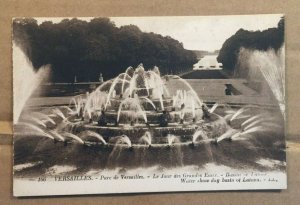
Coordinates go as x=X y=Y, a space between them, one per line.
x=195 y=32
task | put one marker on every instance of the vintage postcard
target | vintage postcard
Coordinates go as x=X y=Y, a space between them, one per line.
x=148 y=104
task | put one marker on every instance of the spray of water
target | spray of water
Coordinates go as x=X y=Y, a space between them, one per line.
x=249 y=120
x=43 y=117
x=88 y=133
x=72 y=136
x=59 y=113
x=150 y=101
x=230 y=132
x=213 y=108
x=146 y=138
x=124 y=140
x=31 y=119
x=199 y=101
x=134 y=108
x=32 y=127
x=56 y=135
x=198 y=134
x=255 y=129
x=240 y=111
x=78 y=104
x=252 y=124
x=171 y=139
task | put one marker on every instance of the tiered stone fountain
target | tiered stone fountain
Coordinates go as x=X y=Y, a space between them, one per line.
x=137 y=105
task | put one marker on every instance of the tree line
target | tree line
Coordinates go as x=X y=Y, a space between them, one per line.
x=84 y=49
x=256 y=40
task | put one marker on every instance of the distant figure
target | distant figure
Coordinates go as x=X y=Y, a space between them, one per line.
x=100 y=78
x=167 y=77
x=227 y=90
x=206 y=113
x=164 y=119
x=102 y=119
x=75 y=79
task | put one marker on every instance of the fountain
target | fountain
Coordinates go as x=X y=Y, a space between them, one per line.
x=135 y=102
x=135 y=116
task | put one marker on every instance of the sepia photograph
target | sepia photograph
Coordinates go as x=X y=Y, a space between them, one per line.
x=107 y=105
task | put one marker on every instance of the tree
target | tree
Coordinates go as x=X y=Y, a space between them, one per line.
x=76 y=47
x=260 y=40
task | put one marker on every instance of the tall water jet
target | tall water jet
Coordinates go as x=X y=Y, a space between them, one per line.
x=270 y=65
x=25 y=80
x=124 y=77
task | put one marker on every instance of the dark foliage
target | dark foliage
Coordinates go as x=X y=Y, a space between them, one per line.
x=260 y=40
x=84 y=49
